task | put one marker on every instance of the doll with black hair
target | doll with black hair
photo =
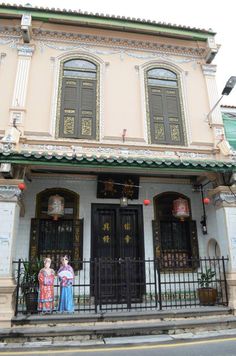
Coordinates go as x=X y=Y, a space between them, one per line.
x=66 y=279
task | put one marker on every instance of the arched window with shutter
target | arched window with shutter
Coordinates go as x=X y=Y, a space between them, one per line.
x=165 y=119
x=175 y=240
x=78 y=100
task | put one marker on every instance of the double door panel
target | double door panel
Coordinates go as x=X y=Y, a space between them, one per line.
x=118 y=250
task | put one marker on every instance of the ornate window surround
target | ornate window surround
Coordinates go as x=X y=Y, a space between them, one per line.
x=181 y=74
x=192 y=238
x=56 y=95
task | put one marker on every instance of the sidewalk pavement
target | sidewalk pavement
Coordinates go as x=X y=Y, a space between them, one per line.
x=118 y=341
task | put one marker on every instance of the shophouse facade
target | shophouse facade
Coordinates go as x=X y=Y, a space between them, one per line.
x=95 y=109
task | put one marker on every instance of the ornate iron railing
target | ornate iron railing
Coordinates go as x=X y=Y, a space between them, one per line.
x=127 y=284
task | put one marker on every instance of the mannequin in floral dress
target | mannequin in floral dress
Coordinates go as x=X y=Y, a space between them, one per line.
x=66 y=279
x=46 y=287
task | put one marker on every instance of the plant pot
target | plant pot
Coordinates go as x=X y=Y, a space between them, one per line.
x=31 y=301
x=207 y=296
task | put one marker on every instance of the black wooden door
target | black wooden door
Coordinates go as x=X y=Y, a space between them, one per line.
x=117 y=246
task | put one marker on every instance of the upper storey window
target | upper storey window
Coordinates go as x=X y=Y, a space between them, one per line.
x=78 y=100
x=166 y=126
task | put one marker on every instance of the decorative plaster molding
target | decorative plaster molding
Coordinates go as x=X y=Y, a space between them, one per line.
x=203 y=144
x=209 y=69
x=25 y=50
x=10 y=193
x=66 y=37
x=37 y=134
x=223 y=196
x=161 y=54
x=10 y=31
x=109 y=151
x=224 y=200
x=119 y=139
x=6 y=147
x=8 y=41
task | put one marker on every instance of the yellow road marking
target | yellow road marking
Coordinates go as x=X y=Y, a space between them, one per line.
x=117 y=348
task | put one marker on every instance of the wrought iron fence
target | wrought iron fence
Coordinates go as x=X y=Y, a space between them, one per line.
x=127 y=284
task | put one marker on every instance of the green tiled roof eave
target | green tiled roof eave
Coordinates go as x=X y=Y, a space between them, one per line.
x=28 y=158
x=119 y=24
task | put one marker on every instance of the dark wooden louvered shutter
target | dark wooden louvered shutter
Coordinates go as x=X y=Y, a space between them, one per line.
x=194 y=243
x=69 y=107
x=173 y=116
x=34 y=236
x=78 y=244
x=157 y=123
x=87 y=110
x=165 y=116
x=156 y=238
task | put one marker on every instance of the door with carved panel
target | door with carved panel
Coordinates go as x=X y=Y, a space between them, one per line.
x=118 y=246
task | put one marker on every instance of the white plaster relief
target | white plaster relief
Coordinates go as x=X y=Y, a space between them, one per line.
x=108 y=151
x=21 y=82
x=9 y=224
x=9 y=193
x=91 y=49
x=231 y=227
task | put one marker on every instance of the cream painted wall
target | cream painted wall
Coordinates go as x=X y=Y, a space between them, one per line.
x=122 y=99
x=197 y=105
x=39 y=95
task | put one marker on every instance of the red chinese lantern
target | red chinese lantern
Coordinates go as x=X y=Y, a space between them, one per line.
x=21 y=186
x=56 y=206
x=146 y=202
x=180 y=209
x=206 y=201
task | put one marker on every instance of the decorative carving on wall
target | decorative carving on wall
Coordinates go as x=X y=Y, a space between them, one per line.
x=161 y=53
x=224 y=199
x=64 y=41
x=10 y=193
x=77 y=150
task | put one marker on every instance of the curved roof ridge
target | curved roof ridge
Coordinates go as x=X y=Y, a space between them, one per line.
x=107 y=16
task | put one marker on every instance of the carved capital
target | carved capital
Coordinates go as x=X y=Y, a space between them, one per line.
x=25 y=50
x=10 y=193
x=209 y=69
x=223 y=196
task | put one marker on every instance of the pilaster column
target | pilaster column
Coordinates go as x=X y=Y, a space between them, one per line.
x=9 y=221
x=215 y=119
x=224 y=200
x=17 y=109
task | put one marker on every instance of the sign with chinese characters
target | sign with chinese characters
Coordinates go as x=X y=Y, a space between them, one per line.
x=117 y=186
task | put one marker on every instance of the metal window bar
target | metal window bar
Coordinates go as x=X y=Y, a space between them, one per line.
x=103 y=285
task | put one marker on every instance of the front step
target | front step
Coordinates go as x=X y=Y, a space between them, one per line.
x=77 y=327
x=119 y=316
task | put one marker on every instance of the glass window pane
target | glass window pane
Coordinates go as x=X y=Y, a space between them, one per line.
x=79 y=63
x=169 y=83
x=73 y=73
x=162 y=73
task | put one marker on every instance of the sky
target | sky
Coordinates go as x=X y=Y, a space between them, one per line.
x=205 y=14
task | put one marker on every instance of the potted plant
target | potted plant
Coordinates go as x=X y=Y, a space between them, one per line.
x=206 y=294
x=30 y=284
